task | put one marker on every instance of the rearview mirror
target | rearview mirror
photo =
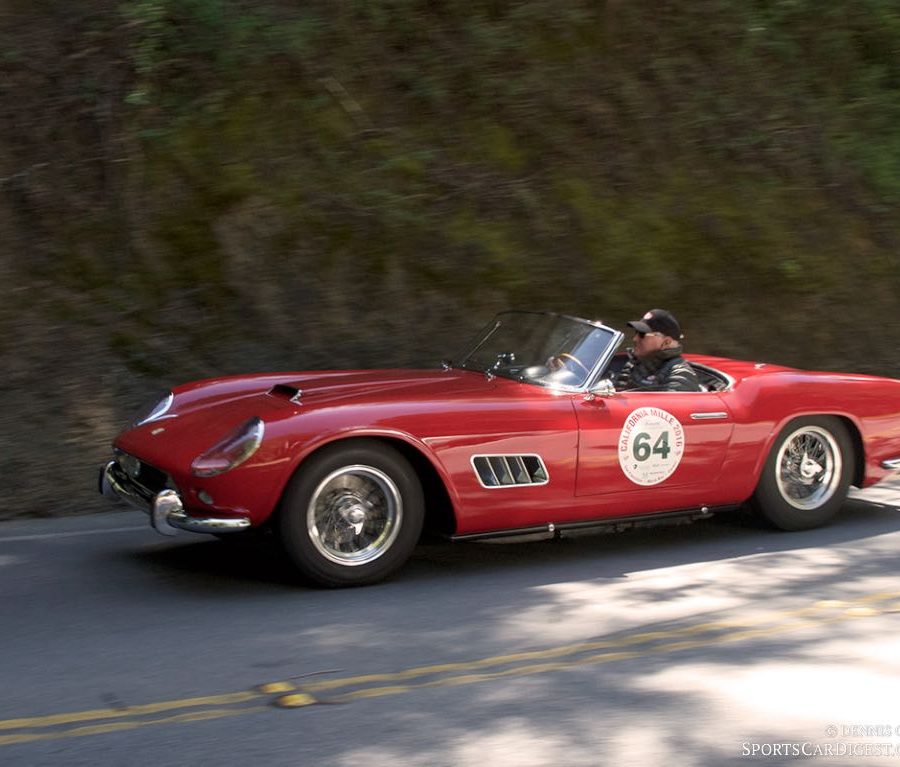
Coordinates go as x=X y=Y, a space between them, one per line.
x=603 y=388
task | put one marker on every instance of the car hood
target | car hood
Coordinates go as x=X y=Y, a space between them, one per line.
x=218 y=403
x=204 y=411
x=320 y=388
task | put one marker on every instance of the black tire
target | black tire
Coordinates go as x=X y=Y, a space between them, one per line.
x=352 y=514
x=807 y=474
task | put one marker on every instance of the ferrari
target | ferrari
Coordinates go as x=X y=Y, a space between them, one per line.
x=525 y=433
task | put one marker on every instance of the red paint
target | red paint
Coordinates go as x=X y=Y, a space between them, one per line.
x=449 y=416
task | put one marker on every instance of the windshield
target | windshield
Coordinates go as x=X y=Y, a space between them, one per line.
x=542 y=348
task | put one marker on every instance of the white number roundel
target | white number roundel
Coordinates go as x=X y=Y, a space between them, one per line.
x=650 y=446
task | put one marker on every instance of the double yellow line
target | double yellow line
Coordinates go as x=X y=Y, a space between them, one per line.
x=626 y=647
x=104 y=720
x=304 y=692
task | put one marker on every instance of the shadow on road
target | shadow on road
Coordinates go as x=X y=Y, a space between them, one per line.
x=219 y=563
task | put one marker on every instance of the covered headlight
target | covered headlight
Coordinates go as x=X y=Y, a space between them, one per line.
x=157 y=409
x=231 y=451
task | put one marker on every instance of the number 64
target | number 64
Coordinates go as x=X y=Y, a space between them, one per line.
x=641 y=449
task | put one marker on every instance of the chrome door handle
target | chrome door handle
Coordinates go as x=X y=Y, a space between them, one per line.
x=707 y=416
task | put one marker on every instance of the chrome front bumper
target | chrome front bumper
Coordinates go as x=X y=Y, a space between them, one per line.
x=165 y=508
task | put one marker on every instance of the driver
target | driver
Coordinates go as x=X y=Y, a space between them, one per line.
x=655 y=363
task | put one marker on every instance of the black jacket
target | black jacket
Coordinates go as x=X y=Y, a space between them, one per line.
x=666 y=370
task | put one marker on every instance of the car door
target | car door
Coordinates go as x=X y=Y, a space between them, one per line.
x=667 y=446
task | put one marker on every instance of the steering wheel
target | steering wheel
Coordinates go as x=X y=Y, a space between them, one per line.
x=567 y=356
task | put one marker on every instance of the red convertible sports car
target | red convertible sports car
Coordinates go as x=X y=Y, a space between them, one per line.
x=348 y=467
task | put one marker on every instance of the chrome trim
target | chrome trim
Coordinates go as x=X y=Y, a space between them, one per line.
x=518 y=468
x=596 y=371
x=602 y=363
x=707 y=416
x=891 y=463
x=166 y=504
x=116 y=484
x=181 y=520
x=604 y=388
x=166 y=508
x=354 y=515
x=609 y=524
x=808 y=468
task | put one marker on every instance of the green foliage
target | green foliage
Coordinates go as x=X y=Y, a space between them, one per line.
x=529 y=152
x=188 y=50
x=195 y=187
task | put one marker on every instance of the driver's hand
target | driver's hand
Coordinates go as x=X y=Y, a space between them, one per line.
x=554 y=363
x=623 y=379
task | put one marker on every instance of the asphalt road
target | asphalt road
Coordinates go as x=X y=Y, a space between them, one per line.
x=709 y=644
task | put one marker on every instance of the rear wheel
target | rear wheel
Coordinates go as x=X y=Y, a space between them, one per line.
x=807 y=474
x=352 y=515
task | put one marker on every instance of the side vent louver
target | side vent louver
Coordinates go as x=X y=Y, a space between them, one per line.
x=510 y=470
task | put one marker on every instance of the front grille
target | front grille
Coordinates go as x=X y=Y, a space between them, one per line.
x=510 y=470
x=143 y=474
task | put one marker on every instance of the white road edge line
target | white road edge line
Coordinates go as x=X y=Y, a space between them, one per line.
x=43 y=536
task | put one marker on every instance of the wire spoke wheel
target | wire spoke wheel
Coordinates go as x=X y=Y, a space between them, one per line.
x=354 y=515
x=807 y=474
x=809 y=467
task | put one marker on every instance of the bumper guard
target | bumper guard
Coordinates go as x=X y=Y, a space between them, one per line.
x=165 y=508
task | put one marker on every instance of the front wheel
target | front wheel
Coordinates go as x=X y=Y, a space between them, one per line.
x=352 y=515
x=807 y=474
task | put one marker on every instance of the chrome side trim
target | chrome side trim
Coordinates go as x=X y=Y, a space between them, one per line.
x=611 y=524
x=707 y=416
x=166 y=508
x=891 y=463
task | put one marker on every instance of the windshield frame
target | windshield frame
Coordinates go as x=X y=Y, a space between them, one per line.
x=590 y=380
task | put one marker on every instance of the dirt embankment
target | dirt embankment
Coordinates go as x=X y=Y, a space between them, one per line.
x=196 y=187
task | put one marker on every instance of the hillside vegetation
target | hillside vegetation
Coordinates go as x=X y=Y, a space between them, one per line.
x=196 y=187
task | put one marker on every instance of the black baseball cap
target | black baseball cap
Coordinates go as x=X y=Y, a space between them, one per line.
x=658 y=321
